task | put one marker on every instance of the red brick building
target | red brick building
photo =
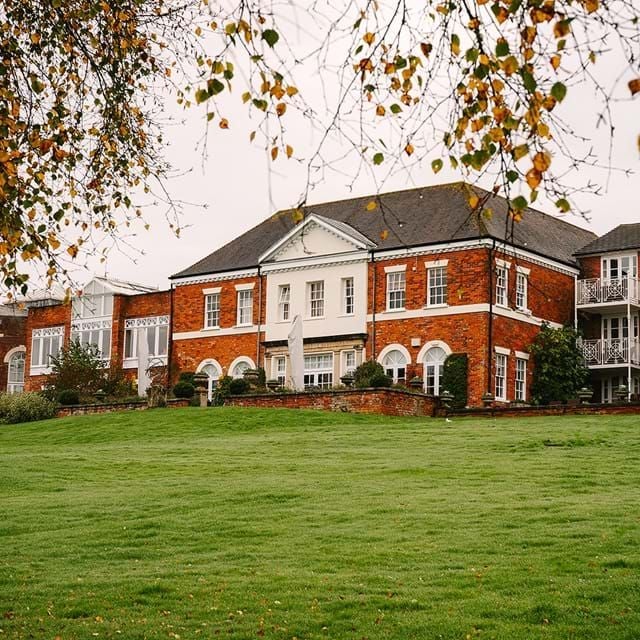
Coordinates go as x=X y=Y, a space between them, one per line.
x=404 y=278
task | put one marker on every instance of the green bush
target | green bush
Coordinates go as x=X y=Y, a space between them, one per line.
x=238 y=386
x=454 y=379
x=77 y=367
x=380 y=380
x=68 y=397
x=184 y=389
x=187 y=376
x=364 y=373
x=25 y=407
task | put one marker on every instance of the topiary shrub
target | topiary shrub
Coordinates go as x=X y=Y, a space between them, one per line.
x=184 y=389
x=68 y=397
x=187 y=376
x=238 y=386
x=364 y=373
x=454 y=379
x=25 y=407
x=380 y=380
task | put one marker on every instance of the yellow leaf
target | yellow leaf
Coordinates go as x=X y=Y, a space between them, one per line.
x=372 y=205
x=384 y=234
x=369 y=37
x=289 y=150
x=72 y=250
x=634 y=86
x=542 y=161
x=277 y=91
x=555 y=61
x=224 y=123
x=35 y=38
x=591 y=5
x=473 y=200
x=380 y=110
x=281 y=108
x=291 y=91
x=246 y=96
x=533 y=177
x=274 y=153
x=520 y=151
x=409 y=149
x=252 y=136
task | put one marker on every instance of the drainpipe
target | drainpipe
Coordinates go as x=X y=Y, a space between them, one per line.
x=373 y=308
x=629 y=340
x=490 y=324
x=259 y=317
x=170 y=346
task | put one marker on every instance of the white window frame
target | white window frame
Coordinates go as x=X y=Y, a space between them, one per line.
x=605 y=266
x=348 y=361
x=81 y=328
x=437 y=285
x=315 y=299
x=502 y=283
x=39 y=336
x=279 y=369
x=244 y=306
x=318 y=376
x=15 y=385
x=522 y=288
x=212 y=310
x=502 y=362
x=284 y=302
x=133 y=327
x=348 y=296
x=393 y=369
x=520 y=386
x=396 y=290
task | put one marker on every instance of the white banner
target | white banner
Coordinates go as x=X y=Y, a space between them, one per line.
x=143 y=363
x=296 y=354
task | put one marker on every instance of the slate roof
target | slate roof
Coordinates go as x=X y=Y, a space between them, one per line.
x=402 y=219
x=624 y=236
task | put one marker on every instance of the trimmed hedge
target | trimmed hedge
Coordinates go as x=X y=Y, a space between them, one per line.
x=25 y=407
x=366 y=372
x=184 y=389
x=454 y=379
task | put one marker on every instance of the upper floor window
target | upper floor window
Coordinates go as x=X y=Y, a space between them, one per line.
x=348 y=296
x=316 y=299
x=284 y=302
x=96 y=301
x=96 y=333
x=619 y=267
x=396 y=290
x=522 y=285
x=437 y=284
x=502 y=283
x=44 y=344
x=212 y=310
x=245 y=307
x=155 y=330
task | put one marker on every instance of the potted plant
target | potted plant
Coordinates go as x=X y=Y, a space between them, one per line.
x=622 y=393
x=585 y=394
x=347 y=379
x=273 y=385
x=488 y=399
x=446 y=397
x=416 y=383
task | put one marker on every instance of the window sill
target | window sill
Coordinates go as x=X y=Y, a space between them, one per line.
x=283 y=322
x=315 y=318
x=39 y=371
x=502 y=306
x=210 y=328
x=244 y=325
x=526 y=312
x=442 y=305
x=395 y=310
x=347 y=315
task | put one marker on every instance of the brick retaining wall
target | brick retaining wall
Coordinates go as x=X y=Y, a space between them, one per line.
x=108 y=407
x=552 y=410
x=390 y=402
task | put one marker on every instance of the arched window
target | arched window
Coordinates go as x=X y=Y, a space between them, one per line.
x=394 y=364
x=213 y=371
x=433 y=369
x=15 y=378
x=239 y=369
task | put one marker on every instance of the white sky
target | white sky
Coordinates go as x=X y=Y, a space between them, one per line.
x=240 y=186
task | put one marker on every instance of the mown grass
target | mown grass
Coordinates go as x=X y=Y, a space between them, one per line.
x=281 y=524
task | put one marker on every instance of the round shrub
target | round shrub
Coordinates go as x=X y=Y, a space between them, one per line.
x=184 y=389
x=25 y=407
x=380 y=380
x=238 y=386
x=187 y=376
x=364 y=373
x=68 y=397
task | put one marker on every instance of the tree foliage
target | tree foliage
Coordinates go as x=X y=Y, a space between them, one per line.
x=476 y=84
x=77 y=367
x=454 y=378
x=559 y=368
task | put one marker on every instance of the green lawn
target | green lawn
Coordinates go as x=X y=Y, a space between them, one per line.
x=204 y=523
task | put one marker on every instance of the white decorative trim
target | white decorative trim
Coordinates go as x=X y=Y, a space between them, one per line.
x=245 y=287
x=211 y=290
x=429 y=345
x=524 y=270
x=238 y=360
x=395 y=268
x=152 y=321
x=522 y=355
x=452 y=310
x=300 y=264
x=207 y=361
x=436 y=263
x=207 y=333
x=503 y=263
x=394 y=347
x=216 y=277
x=502 y=351
x=12 y=352
x=47 y=331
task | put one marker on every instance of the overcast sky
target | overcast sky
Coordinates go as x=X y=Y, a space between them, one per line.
x=234 y=185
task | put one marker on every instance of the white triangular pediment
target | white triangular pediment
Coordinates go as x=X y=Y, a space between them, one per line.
x=313 y=238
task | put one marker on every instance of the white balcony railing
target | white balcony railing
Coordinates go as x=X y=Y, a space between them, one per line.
x=613 y=351
x=598 y=291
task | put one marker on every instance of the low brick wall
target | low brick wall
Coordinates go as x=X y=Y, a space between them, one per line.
x=551 y=410
x=108 y=407
x=390 y=402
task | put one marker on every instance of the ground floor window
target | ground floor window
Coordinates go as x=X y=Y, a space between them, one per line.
x=609 y=386
x=348 y=362
x=15 y=379
x=433 y=370
x=279 y=369
x=395 y=366
x=521 y=379
x=213 y=371
x=318 y=370
x=501 y=376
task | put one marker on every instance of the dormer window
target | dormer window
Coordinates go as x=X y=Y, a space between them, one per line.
x=619 y=267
